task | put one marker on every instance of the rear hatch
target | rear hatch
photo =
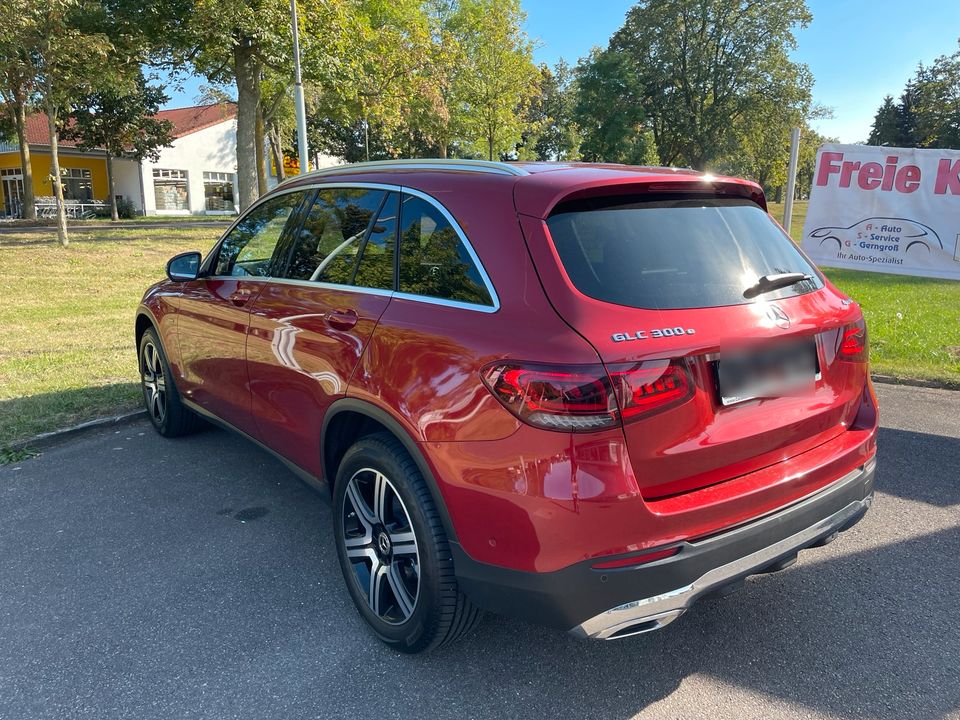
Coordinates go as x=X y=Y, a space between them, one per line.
x=725 y=378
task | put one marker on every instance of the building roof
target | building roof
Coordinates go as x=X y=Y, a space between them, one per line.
x=185 y=121
x=191 y=119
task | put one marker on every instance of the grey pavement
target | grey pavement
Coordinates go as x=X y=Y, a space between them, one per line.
x=196 y=578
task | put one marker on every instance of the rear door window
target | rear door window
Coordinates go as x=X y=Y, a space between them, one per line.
x=332 y=235
x=674 y=253
x=375 y=268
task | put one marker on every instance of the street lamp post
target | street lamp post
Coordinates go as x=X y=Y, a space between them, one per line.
x=298 y=93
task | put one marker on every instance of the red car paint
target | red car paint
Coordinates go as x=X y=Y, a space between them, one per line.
x=262 y=356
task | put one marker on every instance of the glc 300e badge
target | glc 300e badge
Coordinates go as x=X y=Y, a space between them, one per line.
x=648 y=334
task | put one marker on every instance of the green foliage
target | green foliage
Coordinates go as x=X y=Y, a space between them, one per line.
x=11 y=455
x=427 y=77
x=551 y=133
x=887 y=125
x=121 y=120
x=498 y=79
x=608 y=110
x=702 y=76
x=61 y=50
x=928 y=113
x=126 y=210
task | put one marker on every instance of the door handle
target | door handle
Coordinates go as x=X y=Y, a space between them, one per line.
x=342 y=319
x=241 y=297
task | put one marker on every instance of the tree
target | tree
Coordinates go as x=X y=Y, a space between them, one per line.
x=608 y=110
x=435 y=116
x=700 y=68
x=810 y=142
x=551 y=133
x=887 y=125
x=937 y=103
x=498 y=78
x=928 y=113
x=382 y=85
x=16 y=90
x=395 y=36
x=236 y=41
x=65 y=57
x=122 y=123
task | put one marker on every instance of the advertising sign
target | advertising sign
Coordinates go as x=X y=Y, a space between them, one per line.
x=883 y=209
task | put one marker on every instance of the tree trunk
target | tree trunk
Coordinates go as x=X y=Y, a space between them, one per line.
x=114 y=216
x=277 y=152
x=261 y=156
x=55 y=178
x=490 y=147
x=442 y=148
x=29 y=202
x=247 y=68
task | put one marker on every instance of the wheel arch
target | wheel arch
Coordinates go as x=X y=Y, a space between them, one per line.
x=144 y=320
x=349 y=419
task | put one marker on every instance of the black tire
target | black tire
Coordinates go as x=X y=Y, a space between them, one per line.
x=170 y=417
x=440 y=613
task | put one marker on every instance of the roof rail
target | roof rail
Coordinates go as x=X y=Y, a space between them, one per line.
x=482 y=166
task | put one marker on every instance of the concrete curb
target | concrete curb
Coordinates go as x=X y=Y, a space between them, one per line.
x=47 y=439
x=915 y=382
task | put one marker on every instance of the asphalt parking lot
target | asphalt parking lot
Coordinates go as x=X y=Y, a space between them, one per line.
x=143 y=578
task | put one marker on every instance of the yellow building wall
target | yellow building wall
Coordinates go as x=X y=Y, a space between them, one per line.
x=40 y=165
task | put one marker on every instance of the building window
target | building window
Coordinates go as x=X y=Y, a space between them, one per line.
x=170 y=189
x=218 y=191
x=11 y=192
x=76 y=184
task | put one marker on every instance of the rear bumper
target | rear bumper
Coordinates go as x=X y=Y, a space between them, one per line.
x=616 y=603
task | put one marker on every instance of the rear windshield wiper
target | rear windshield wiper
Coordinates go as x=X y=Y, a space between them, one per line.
x=769 y=283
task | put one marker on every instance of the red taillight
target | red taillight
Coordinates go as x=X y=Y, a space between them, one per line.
x=643 y=388
x=576 y=397
x=852 y=341
x=582 y=398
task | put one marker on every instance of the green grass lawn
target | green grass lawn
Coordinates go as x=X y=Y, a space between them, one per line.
x=66 y=321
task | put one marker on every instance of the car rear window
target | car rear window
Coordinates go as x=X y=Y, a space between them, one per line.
x=672 y=253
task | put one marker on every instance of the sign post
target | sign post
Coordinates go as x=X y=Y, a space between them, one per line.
x=791 y=179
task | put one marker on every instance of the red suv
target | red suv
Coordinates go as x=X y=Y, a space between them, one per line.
x=585 y=395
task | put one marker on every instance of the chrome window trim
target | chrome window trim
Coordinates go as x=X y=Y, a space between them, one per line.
x=482 y=166
x=495 y=299
x=330 y=286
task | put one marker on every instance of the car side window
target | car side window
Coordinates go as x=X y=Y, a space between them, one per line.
x=433 y=259
x=332 y=235
x=249 y=248
x=375 y=269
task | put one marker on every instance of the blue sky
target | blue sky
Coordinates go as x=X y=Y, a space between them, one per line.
x=857 y=50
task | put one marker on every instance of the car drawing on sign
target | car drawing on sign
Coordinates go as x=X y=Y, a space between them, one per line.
x=882 y=232
x=584 y=395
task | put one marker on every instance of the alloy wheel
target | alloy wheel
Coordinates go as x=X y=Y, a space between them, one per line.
x=381 y=546
x=154 y=383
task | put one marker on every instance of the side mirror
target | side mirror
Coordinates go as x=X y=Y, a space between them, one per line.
x=183 y=267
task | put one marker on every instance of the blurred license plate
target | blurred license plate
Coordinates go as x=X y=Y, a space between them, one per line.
x=784 y=368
